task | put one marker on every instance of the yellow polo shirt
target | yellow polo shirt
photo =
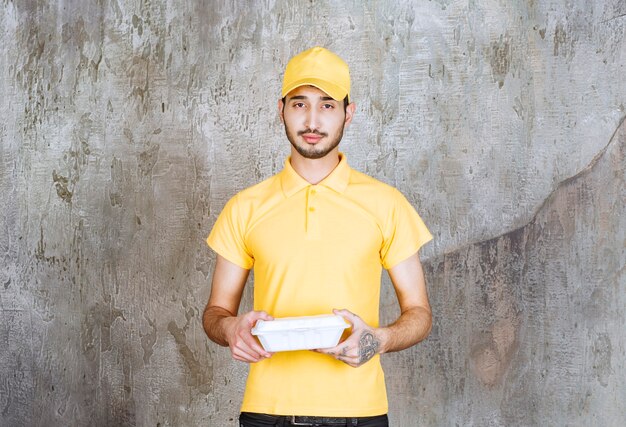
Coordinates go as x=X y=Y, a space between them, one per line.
x=315 y=248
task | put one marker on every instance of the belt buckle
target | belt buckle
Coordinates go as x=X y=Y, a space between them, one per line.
x=294 y=423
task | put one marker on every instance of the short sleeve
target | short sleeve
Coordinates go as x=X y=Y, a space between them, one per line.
x=404 y=232
x=227 y=237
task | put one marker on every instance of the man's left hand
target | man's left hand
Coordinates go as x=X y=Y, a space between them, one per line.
x=363 y=343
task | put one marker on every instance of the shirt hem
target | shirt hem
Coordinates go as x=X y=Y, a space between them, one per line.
x=315 y=412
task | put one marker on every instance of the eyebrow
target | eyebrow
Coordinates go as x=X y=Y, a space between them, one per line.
x=323 y=98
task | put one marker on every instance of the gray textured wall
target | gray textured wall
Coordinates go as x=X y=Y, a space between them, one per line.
x=126 y=125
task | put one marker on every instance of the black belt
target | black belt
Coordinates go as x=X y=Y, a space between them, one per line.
x=322 y=421
x=294 y=420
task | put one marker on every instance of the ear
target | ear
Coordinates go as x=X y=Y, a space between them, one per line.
x=281 y=107
x=350 y=109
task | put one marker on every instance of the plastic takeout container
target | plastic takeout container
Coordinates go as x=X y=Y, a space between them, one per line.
x=300 y=333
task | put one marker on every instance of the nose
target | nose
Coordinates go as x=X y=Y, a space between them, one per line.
x=312 y=119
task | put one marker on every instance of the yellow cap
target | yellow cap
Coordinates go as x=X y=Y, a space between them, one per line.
x=321 y=68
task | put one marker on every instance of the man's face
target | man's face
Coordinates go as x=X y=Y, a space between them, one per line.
x=314 y=122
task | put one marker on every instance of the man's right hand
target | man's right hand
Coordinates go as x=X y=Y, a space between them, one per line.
x=220 y=321
x=243 y=345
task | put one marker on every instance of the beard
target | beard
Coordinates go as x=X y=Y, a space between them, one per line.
x=315 y=151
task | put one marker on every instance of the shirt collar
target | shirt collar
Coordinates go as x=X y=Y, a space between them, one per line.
x=338 y=179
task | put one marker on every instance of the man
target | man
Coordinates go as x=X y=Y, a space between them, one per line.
x=318 y=235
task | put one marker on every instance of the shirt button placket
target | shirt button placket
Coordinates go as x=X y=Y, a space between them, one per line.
x=312 y=220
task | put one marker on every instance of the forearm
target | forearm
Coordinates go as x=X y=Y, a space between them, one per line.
x=412 y=326
x=216 y=321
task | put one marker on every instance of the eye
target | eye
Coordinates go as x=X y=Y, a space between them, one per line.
x=298 y=104
x=328 y=106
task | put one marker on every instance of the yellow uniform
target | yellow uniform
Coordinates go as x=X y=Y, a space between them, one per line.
x=315 y=248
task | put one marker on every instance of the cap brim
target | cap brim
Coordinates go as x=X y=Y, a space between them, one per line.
x=335 y=92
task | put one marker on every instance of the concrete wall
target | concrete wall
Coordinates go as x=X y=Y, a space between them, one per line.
x=126 y=125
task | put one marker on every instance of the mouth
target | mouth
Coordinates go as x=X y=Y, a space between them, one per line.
x=311 y=137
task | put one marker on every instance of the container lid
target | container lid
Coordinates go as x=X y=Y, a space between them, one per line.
x=302 y=323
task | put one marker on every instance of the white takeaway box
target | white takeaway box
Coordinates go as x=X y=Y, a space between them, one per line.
x=300 y=333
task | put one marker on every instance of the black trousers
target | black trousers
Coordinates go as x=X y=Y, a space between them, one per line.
x=250 y=419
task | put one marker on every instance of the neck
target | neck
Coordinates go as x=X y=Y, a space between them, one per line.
x=314 y=170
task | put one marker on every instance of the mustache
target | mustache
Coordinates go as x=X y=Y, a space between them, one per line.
x=315 y=132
